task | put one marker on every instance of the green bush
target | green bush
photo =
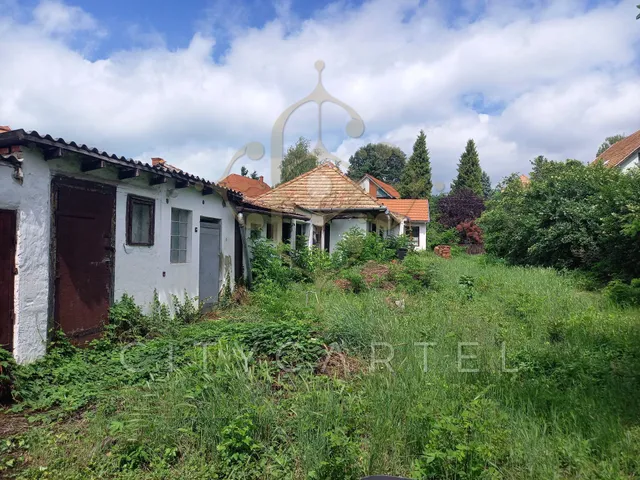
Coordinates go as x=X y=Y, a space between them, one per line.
x=437 y=234
x=7 y=368
x=570 y=215
x=415 y=274
x=342 y=458
x=267 y=263
x=622 y=293
x=355 y=279
x=357 y=247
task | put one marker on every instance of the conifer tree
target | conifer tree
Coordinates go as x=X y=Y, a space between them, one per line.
x=416 y=178
x=469 y=171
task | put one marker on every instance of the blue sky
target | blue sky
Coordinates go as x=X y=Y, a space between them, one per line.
x=195 y=81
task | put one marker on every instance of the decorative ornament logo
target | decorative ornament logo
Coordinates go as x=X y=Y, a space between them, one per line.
x=256 y=150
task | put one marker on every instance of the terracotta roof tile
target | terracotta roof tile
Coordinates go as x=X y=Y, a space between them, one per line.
x=384 y=186
x=246 y=185
x=416 y=209
x=323 y=188
x=620 y=151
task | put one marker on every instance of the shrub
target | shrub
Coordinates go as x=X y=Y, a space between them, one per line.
x=570 y=215
x=7 y=367
x=189 y=310
x=342 y=458
x=267 y=263
x=355 y=279
x=126 y=320
x=470 y=233
x=438 y=234
x=237 y=449
x=357 y=247
x=472 y=443
x=415 y=274
x=624 y=294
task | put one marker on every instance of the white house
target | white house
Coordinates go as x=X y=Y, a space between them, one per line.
x=624 y=154
x=324 y=203
x=413 y=213
x=80 y=227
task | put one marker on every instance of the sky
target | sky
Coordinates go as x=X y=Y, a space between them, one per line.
x=194 y=81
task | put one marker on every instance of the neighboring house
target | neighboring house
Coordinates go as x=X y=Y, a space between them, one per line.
x=524 y=180
x=624 y=154
x=332 y=204
x=249 y=187
x=377 y=188
x=414 y=213
x=80 y=227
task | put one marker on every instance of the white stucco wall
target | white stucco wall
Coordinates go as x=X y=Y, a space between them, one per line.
x=631 y=162
x=340 y=226
x=138 y=270
x=31 y=200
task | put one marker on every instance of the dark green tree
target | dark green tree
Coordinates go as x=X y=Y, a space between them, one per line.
x=469 y=171
x=608 y=142
x=486 y=185
x=416 y=178
x=254 y=175
x=379 y=160
x=299 y=159
x=244 y=171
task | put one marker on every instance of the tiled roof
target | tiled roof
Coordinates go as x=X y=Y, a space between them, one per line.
x=525 y=180
x=22 y=137
x=246 y=185
x=384 y=186
x=324 y=188
x=620 y=151
x=416 y=209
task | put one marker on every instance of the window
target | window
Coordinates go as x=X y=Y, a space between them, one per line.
x=256 y=231
x=140 y=220
x=415 y=235
x=179 y=235
x=269 y=231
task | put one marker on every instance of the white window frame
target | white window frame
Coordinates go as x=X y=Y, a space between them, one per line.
x=180 y=230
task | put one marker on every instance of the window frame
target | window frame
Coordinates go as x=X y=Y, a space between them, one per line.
x=151 y=202
x=187 y=237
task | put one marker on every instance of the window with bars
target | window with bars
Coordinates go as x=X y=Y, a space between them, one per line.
x=179 y=235
x=140 y=220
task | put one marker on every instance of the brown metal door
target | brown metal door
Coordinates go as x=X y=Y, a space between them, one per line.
x=7 y=275
x=84 y=214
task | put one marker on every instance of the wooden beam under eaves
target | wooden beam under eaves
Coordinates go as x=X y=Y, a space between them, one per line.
x=182 y=183
x=157 y=180
x=92 y=165
x=52 y=153
x=125 y=173
x=207 y=190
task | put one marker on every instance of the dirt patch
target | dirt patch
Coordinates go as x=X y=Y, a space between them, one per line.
x=374 y=272
x=343 y=284
x=339 y=365
x=12 y=424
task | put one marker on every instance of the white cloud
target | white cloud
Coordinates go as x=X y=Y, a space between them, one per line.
x=564 y=76
x=55 y=17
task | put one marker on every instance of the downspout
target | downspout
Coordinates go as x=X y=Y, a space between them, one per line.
x=245 y=248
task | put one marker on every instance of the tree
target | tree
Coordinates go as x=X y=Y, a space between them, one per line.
x=469 y=171
x=416 y=178
x=570 y=215
x=486 y=185
x=254 y=175
x=298 y=160
x=608 y=142
x=378 y=160
x=459 y=206
x=638 y=16
x=244 y=171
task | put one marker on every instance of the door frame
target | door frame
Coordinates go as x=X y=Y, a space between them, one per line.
x=12 y=291
x=218 y=222
x=58 y=181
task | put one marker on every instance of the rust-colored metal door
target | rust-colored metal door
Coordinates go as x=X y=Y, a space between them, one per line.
x=84 y=227
x=7 y=275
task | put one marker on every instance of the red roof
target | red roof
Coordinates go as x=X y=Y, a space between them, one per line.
x=384 y=186
x=416 y=209
x=246 y=185
x=620 y=151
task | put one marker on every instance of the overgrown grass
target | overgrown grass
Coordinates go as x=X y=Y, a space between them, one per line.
x=255 y=409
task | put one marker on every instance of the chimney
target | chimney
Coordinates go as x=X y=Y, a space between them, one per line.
x=261 y=179
x=157 y=161
x=5 y=128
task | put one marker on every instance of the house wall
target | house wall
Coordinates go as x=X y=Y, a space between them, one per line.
x=138 y=270
x=31 y=200
x=632 y=161
x=341 y=225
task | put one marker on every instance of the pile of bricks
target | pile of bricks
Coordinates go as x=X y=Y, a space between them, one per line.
x=443 y=251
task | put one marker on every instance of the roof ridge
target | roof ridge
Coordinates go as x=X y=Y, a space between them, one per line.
x=295 y=179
